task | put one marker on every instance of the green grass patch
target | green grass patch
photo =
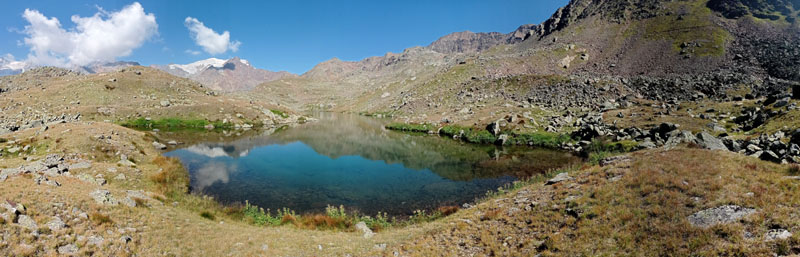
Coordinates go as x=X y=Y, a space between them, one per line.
x=600 y=149
x=541 y=139
x=280 y=113
x=692 y=21
x=468 y=134
x=480 y=136
x=424 y=128
x=174 y=123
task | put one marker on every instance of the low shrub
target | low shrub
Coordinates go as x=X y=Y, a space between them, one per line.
x=100 y=219
x=207 y=215
x=794 y=169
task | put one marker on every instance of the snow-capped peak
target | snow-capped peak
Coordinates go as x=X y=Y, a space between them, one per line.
x=9 y=63
x=197 y=66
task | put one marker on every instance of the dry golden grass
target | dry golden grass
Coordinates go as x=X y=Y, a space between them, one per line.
x=447 y=210
x=172 y=177
x=100 y=219
x=644 y=213
x=794 y=169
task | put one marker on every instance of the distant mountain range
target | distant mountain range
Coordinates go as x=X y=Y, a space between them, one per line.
x=10 y=67
x=224 y=75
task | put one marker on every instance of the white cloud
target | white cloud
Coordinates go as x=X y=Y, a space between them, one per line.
x=211 y=41
x=104 y=36
x=9 y=62
x=192 y=52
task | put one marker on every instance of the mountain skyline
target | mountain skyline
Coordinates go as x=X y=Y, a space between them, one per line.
x=293 y=39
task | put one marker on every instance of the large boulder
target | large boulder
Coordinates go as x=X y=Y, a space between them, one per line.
x=364 y=229
x=678 y=137
x=707 y=141
x=103 y=197
x=769 y=156
x=559 y=178
x=27 y=222
x=796 y=137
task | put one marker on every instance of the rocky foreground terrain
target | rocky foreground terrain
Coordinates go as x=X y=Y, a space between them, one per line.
x=686 y=111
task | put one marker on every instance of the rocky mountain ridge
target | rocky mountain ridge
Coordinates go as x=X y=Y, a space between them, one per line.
x=230 y=75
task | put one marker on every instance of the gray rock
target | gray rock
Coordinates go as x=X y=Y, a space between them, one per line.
x=56 y=224
x=68 y=249
x=719 y=215
x=559 y=178
x=127 y=201
x=165 y=103
x=80 y=165
x=363 y=228
x=27 y=222
x=501 y=140
x=95 y=240
x=10 y=172
x=103 y=197
x=781 y=103
x=769 y=156
x=159 y=146
x=52 y=160
x=679 y=137
x=753 y=148
x=126 y=163
x=777 y=234
x=707 y=141
x=647 y=144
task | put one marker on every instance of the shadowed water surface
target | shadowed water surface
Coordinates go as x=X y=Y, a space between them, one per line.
x=352 y=161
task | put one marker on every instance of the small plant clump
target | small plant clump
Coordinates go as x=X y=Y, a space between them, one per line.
x=794 y=169
x=207 y=215
x=100 y=218
x=280 y=113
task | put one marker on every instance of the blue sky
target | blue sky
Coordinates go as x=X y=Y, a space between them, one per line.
x=284 y=35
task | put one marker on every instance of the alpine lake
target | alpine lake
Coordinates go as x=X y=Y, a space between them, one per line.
x=352 y=161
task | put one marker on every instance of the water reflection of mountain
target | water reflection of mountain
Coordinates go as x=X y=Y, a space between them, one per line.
x=337 y=135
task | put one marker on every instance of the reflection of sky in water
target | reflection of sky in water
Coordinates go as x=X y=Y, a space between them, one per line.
x=353 y=161
x=295 y=176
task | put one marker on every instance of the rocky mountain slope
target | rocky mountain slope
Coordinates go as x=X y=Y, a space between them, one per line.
x=612 y=48
x=224 y=75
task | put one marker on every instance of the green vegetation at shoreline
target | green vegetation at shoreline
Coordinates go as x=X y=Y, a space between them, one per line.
x=174 y=123
x=482 y=136
x=421 y=128
x=335 y=218
x=280 y=113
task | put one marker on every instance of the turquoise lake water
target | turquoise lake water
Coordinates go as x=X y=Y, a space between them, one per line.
x=353 y=161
